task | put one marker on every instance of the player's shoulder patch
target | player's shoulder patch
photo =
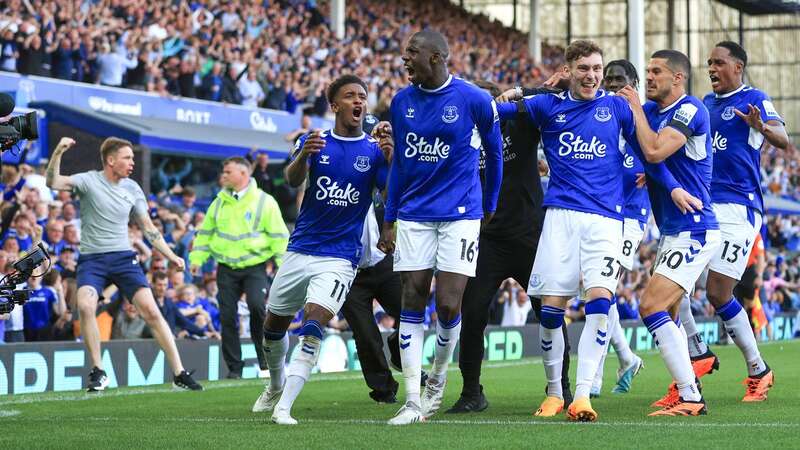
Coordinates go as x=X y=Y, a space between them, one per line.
x=562 y=95
x=769 y=108
x=685 y=113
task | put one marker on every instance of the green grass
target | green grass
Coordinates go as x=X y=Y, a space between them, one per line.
x=335 y=412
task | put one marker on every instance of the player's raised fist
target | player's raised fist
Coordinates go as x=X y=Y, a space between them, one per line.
x=65 y=144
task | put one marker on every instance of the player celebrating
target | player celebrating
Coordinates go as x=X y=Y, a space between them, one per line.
x=108 y=199
x=581 y=131
x=682 y=140
x=616 y=75
x=435 y=198
x=738 y=204
x=343 y=166
x=508 y=245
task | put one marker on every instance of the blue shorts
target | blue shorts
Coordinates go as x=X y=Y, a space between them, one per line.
x=121 y=268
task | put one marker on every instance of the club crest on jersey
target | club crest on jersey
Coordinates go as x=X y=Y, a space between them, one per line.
x=325 y=159
x=602 y=114
x=362 y=163
x=561 y=118
x=729 y=113
x=410 y=113
x=450 y=114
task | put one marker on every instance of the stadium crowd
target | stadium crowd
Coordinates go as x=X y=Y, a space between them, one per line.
x=273 y=54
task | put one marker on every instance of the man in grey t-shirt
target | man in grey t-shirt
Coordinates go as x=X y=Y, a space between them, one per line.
x=109 y=199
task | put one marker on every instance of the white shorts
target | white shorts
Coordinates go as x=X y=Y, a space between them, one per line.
x=683 y=257
x=576 y=244
x=303 y=279
x=632 y=234
x=446 y=246
x=738 y=226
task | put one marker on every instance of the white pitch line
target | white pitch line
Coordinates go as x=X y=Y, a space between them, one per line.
x=161 y=389
x=263 y=419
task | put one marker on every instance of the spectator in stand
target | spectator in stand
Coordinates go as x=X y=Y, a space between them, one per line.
x=112 y=64
x=128 y=324
x=42 y=309
x=67 y=264
x=33 y=56
x=9 y=53
x=250 y=90
x=305 y=127
x=190 y=307
x=178 y=323
x=70 y=215
x=188 y=199
x=65 y=59
x=260 y=161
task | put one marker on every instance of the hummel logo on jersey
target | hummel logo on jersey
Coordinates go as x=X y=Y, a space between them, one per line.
x=602 y=114
x=336 y=196
x=410 y=113
x=728 y=114
x=578 y=148
x=719 y=142
x=561 y=118
x=417 y=145
x=450 y=114
x=325 y=159
x=362 y=163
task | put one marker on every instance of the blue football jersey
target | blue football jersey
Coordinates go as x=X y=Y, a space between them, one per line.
x=637 y=203
x=691 y=165
x=438 y=135
x=338 y=194
x=737 y=147
x=38 y=309
x=581 y=139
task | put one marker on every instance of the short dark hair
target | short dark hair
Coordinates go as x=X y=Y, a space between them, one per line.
x=737 y=51
x=158 y=276
x=341 y=82
x=237 y=160
x=626 y=65
x=494 y=89
x=188 y=192
x=580 y=48
x=676 y=61
x=111 y=146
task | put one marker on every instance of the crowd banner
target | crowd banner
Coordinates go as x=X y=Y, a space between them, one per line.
x=62 y=366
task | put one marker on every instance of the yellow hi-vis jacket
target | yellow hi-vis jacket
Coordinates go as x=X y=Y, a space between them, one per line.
x=241 y=233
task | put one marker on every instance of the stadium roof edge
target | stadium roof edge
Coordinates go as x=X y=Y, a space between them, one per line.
x=763 y=7
x=168 y=136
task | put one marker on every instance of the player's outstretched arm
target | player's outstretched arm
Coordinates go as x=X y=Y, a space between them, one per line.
x=157 y=240
x=773 y=130
x=54 y=178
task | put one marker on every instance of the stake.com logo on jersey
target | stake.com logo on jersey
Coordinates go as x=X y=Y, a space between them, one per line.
x=418 y=146
x=336 y=196
x=578 y=148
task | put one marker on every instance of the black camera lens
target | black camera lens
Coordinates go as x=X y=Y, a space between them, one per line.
x=26 y=125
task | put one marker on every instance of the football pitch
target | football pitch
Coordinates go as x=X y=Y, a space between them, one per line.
x=335 y=412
